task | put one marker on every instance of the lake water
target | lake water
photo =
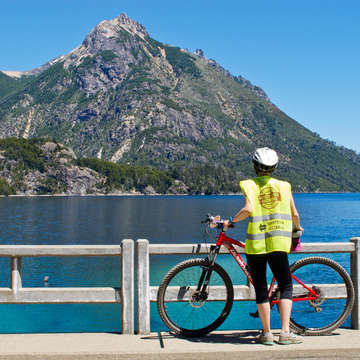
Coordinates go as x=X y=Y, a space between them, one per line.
x=160 y=219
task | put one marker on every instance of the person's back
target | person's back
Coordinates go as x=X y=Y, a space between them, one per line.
x=269 y=204
x=270 y=224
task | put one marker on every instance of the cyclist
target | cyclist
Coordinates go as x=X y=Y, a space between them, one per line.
x=270 y=206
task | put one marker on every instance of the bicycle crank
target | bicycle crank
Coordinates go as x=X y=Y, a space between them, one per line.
x=319 y=299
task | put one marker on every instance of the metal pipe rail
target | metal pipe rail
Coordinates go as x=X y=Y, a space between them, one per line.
x=16 y=294
x=147 y=293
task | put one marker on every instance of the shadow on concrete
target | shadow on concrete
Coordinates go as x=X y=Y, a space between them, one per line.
x=243 y=337
x=248 y=337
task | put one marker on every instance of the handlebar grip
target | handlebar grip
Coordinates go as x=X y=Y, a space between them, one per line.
x=220 y=225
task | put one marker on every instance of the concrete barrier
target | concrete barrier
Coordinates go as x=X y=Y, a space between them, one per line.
x=147 y=293
x=124 y=294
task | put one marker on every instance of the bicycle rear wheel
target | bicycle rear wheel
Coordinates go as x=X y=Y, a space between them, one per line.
x=188 y=312
x=334 y=303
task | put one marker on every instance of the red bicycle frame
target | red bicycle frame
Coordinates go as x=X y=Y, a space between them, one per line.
x=224 y=240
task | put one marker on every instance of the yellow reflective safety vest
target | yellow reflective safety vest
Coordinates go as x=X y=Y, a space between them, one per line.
x=270 y=222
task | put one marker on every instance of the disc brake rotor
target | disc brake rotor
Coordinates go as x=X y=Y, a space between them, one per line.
x=197 y=299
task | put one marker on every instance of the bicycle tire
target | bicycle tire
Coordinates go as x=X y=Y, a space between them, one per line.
x=330 y=311
x=184 y=316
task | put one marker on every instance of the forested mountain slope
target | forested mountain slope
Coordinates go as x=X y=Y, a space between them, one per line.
x=124 y=97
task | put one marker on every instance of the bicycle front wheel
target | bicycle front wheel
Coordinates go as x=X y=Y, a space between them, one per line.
x=187 y=311
x=335 y=298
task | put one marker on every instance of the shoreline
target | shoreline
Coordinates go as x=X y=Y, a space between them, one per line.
x=154 y=195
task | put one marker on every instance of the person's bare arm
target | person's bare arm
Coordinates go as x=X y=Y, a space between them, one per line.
x=295 y=215
x=243 y=213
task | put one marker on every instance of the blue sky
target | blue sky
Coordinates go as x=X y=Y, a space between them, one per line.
x=304 y=54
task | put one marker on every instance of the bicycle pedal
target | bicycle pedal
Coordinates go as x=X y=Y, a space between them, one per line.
x=254 y=315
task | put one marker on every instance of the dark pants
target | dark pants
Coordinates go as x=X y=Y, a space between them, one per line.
x=279 y=265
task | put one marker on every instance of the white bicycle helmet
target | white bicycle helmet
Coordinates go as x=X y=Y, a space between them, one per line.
x=265 y=159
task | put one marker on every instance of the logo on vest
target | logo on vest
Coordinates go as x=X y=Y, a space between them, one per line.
x=269 y=197
x=262 y=227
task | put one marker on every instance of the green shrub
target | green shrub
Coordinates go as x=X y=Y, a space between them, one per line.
x=51 y=185
x=108 y=55
x=181 y=61
x=171 y=103
x=24 y=151
x=87 y=62
x=127 y=177
x=6 y=188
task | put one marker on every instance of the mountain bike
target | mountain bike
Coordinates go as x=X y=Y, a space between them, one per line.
x=196 y=296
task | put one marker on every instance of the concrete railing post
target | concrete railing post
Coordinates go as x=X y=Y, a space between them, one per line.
x=143 y=286
x=16 y=282
x=355 y=277
x=127 y=286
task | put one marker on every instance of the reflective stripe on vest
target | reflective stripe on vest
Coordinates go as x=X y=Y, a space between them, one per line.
x=270 y=217
x=268 y=235
x=270 y=222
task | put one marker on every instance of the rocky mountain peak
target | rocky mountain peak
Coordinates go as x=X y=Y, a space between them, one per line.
x=102 y=33
x=103 y=37
x=126 y=97
x=110 y=28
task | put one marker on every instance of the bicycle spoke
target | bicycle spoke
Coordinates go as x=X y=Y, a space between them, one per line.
x=334 y=296
x=185 y=309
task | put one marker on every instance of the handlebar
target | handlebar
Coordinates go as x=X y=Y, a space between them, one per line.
x=217 y=222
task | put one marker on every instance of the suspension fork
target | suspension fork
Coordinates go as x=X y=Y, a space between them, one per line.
x=207 y=270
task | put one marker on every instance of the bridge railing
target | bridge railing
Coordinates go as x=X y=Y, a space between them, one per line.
x=124 y=294
x=147 y=294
